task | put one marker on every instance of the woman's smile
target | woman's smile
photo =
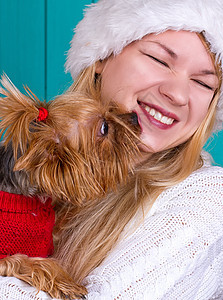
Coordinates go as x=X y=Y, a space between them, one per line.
x=157 y=116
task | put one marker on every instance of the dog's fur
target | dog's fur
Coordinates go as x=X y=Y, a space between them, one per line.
x=82 y=150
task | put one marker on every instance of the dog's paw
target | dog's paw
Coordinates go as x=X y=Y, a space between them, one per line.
x=61 y=288
x=44 y=274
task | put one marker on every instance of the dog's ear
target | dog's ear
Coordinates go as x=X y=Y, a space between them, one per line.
x=17 y=112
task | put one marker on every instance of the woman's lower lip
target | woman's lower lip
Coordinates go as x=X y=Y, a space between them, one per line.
x=156 y=122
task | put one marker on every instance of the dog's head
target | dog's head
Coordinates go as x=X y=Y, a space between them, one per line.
x=78 y=151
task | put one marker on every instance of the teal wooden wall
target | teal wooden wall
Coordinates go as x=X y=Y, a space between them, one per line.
x=35 y=36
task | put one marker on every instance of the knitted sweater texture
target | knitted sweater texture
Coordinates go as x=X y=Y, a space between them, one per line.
x=26 y=225
x=175 y=254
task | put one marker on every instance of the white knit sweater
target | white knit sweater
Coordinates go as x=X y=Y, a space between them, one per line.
x=176 y=254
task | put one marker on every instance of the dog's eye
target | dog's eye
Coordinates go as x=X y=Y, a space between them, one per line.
x=104 y=128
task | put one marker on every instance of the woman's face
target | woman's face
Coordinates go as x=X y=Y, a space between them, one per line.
x=168 y=79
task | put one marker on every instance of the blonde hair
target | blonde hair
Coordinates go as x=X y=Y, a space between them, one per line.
x=90 y=234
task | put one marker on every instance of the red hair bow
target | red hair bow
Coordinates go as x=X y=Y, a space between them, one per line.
x=43 y=114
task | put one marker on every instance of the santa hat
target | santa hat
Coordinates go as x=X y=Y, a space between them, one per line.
x=110 y=25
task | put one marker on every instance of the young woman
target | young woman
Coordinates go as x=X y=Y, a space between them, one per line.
x=161 y=235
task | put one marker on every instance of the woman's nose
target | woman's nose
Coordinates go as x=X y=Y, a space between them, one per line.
x=176 y=90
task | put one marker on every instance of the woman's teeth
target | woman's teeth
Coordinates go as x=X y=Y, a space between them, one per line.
x=158 y=116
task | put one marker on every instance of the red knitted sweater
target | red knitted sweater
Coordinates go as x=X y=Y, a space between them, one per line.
x=26 y=225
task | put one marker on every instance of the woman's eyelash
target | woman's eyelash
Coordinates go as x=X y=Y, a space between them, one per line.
x=158 y=60
x=203 y=84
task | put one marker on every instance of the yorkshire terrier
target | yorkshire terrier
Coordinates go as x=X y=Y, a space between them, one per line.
x=72 y=149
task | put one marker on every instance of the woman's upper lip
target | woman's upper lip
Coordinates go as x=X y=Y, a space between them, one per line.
x=162 y=110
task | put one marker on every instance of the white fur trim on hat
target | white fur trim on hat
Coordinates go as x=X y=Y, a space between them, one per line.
x=110 y=25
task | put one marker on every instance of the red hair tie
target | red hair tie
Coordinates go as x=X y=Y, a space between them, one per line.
x=43 y=114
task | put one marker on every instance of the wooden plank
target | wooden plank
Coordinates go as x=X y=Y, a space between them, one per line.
x=62 y=17
x=22 y=43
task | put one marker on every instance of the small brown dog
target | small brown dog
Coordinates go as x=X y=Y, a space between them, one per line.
x=73 y=149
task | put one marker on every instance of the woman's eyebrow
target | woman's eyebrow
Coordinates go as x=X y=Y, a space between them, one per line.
x=208 y=72
x=167 y=49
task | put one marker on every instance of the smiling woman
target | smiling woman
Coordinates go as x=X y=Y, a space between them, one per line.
x=160 y=235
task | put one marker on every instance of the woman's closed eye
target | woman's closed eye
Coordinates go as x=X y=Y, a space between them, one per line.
x=201 y=83
x=158 y=60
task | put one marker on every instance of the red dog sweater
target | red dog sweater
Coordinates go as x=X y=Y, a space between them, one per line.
x=26 y=225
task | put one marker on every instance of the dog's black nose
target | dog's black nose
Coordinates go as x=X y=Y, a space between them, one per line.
x=134 y=118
